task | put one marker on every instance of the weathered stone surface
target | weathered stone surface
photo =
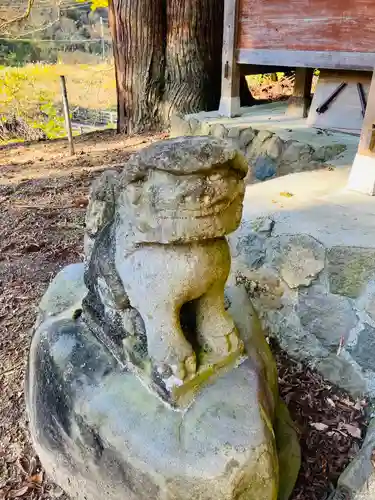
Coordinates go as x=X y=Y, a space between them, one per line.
x=251 y=248
x=234 y=132
x=127 y=370
x=367 y=300
x=247 y=244
x=364 y=350
x=264 y=168
x=329 y=317
x=205 y=128
x=218 y=130
x=246 y=136
x=97 y=429
x=296 y=152
x=289 y=451
x=195 y=126
x=357 y=482
x=274 y=147
x=327 y=152
x=340 y=371
x=67 y=283
x=350 y=268
x=299 y=151
x=256 y=146
x=299 y=258
x=286 y=279
x=263 y=135
x=179 y=126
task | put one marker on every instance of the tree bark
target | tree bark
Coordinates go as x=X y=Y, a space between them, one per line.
x=193 y=55
x=138 y=34
x=167 y=58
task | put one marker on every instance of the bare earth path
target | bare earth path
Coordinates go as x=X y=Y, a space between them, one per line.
x=43 y=196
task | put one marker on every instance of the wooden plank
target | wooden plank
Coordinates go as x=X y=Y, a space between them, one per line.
x=253 y=69
x=362 y=175
x=230 y=75
x=316 y=25
x=308 y=59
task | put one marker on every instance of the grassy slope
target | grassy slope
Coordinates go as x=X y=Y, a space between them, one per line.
x=91 y=87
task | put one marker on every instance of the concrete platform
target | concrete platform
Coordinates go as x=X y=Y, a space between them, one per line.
x=344 y=113
x=274 y=143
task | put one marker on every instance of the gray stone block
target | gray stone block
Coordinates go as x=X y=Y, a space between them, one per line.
x=349 y=269
x=255 y=148
x=300 y=258
x=264 y=168
x=328 y=152
x=296 y=151
x=179 y=126
x=357 y=482
x=246 y=136
x=233 y=132
x=274 y=147
x=364 y=350
x=219 y=131
x=329 y=317
x=195 y=126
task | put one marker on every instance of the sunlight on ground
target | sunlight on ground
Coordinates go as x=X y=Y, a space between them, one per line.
x=52 y=159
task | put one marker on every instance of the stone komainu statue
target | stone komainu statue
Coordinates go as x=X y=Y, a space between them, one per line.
x=157 y=259
x=125 y=344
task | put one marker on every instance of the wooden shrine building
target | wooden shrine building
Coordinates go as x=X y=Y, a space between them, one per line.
x=335 y=36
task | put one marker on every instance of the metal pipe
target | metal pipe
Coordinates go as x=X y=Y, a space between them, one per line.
x=326 y=104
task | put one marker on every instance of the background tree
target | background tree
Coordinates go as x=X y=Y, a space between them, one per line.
x=138 y=36
x=167 y=57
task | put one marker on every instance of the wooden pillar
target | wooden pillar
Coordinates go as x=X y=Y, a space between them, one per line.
x=299 y=102
x=230 y=79
x=362 y=175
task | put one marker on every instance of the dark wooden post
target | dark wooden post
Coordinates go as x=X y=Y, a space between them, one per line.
x=230 y=76
x=68 y=124
x=362 y=175
x=299 y=102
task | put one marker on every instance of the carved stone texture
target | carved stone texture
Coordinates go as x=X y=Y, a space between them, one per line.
x=157 y=261
x=124 y=346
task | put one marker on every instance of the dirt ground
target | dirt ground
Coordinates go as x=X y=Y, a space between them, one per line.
x=43 y=195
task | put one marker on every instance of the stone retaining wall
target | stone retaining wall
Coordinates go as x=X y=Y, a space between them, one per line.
x=318 y=301
x=269 y=154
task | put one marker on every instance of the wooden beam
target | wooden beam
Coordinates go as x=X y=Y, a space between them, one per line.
x=307 y=59
x=230 y=75
x=300 y=101
x=362 y=175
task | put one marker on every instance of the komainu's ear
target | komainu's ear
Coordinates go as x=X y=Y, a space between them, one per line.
x=101 y=207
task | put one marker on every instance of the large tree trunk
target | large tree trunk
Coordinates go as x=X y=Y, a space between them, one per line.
x=138 y=34
x=193 y=55
x=167 y=58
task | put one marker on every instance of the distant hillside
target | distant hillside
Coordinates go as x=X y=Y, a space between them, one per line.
x=53 y=27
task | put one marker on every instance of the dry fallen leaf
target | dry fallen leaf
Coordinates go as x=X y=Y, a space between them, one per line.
x=331 y=403
x=18 y=493
x=319 y=426
x=351 y=429
x=286 y=194
x=81 y=202
x=37 y=478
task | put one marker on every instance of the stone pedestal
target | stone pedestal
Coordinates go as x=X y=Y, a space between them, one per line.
x=100 y=432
